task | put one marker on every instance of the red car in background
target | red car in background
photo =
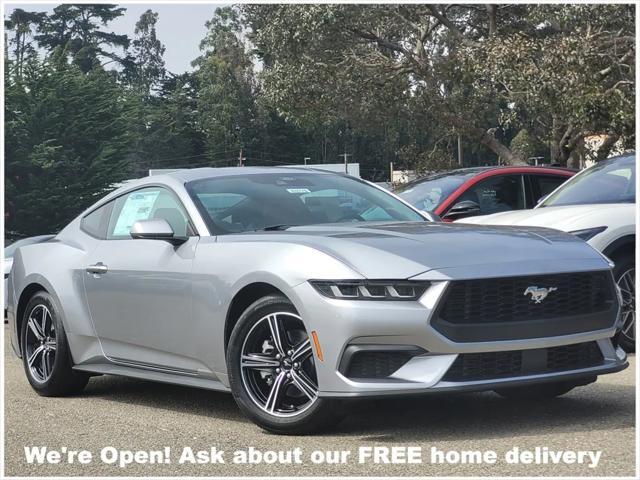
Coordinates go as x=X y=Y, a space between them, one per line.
x=468 y=192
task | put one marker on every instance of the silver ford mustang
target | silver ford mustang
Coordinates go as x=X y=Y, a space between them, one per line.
x=298 y=289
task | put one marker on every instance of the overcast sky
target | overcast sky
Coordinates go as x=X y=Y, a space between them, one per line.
x=180 y=27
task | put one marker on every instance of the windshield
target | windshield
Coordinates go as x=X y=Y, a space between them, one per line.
x=611 y=181
x=427 y=195
x=242 y=203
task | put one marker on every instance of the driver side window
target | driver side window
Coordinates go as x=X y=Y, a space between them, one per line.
x=497 y=194
x=146 y=204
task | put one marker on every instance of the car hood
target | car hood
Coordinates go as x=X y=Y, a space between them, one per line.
x=567 y=218
x=403 y=250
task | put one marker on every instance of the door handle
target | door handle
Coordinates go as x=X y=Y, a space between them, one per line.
x=97 y=268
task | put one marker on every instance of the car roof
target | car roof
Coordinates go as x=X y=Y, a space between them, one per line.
x=189 y=175
x=180 y=177
x=473 y=171
x=625 y=157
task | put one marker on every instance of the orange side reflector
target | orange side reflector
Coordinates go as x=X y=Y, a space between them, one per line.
x=316 y=342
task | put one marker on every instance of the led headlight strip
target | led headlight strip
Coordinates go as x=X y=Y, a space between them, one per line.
x=370 y=289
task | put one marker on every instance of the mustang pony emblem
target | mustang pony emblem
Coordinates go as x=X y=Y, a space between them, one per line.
x=538 y=294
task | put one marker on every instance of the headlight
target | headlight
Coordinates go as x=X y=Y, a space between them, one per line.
x=588 y=233
x=370 y=290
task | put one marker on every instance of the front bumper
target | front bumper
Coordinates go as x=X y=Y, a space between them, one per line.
x=342 y=324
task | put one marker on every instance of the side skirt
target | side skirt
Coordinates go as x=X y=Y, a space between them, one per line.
x=152 y=375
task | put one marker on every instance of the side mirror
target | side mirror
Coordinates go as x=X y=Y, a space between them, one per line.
x=432 y=217
x=156 y=229
x=466 y=208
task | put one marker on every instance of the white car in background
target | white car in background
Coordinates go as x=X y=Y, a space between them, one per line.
x=8 y=260
x=597 y=205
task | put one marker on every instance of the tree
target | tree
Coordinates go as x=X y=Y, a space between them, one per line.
x=225 y=83
x=481 y=71
x=22 y=24
x=573 y=77
x=67 y=141
x=149 y=70
x=76 y=28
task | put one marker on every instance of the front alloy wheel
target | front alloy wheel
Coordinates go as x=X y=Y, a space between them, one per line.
x=277 y=365
x=272 y=370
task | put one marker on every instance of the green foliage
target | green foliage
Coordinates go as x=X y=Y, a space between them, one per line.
x=66 y=142
x=86 y=108
x=483 y=71
x=226 y=104
x=527 y=146
x=76 y=28
x=148 y=65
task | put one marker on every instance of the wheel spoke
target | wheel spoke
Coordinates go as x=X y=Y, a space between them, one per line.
x=51 y=343
x=304 y=384
x=276 y=392
x=277 y=334
x=44 y=321
x=259 y=361
x=36 y=352
x=302 y=352
x=35 y=328
x=627 y=325
x=45 y=365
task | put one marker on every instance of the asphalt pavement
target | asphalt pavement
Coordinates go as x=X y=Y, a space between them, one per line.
x=133 y=415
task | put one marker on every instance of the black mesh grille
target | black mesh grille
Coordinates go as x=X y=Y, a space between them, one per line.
x=570 y=357
x=375 y=364
x=496 y=365
x=503 y=299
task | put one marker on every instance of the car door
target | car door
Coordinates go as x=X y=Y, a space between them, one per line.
x=139 y=291
x=498 y=193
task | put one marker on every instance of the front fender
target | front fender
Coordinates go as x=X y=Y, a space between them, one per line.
x=222 y=269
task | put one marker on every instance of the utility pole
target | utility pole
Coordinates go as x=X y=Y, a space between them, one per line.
x=391 y=173
x=460 y=159
x=241 y=159
x=346 y=162
x=305 y=159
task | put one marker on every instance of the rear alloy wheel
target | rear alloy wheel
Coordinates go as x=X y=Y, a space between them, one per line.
x=626 y=280
x=45 y=351
x=272 y=370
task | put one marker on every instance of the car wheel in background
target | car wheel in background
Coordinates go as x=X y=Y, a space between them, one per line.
x=625 y=275
x=272 y=370
x=45 y=351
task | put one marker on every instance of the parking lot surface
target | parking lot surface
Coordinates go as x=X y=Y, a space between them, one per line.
x=137 y=415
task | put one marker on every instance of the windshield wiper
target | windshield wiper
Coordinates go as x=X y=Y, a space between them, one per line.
x=273 y=228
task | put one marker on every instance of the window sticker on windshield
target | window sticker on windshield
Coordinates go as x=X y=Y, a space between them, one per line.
x=137 y=207
x=298 y=190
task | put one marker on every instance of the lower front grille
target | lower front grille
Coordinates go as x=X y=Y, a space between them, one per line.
x=375 y=361
x=516 y=363
x=376 y=364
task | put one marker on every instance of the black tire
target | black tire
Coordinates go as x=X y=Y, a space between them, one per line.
x=322 y=413
x=626 y=265
x=61 y=380
x=544 y=391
